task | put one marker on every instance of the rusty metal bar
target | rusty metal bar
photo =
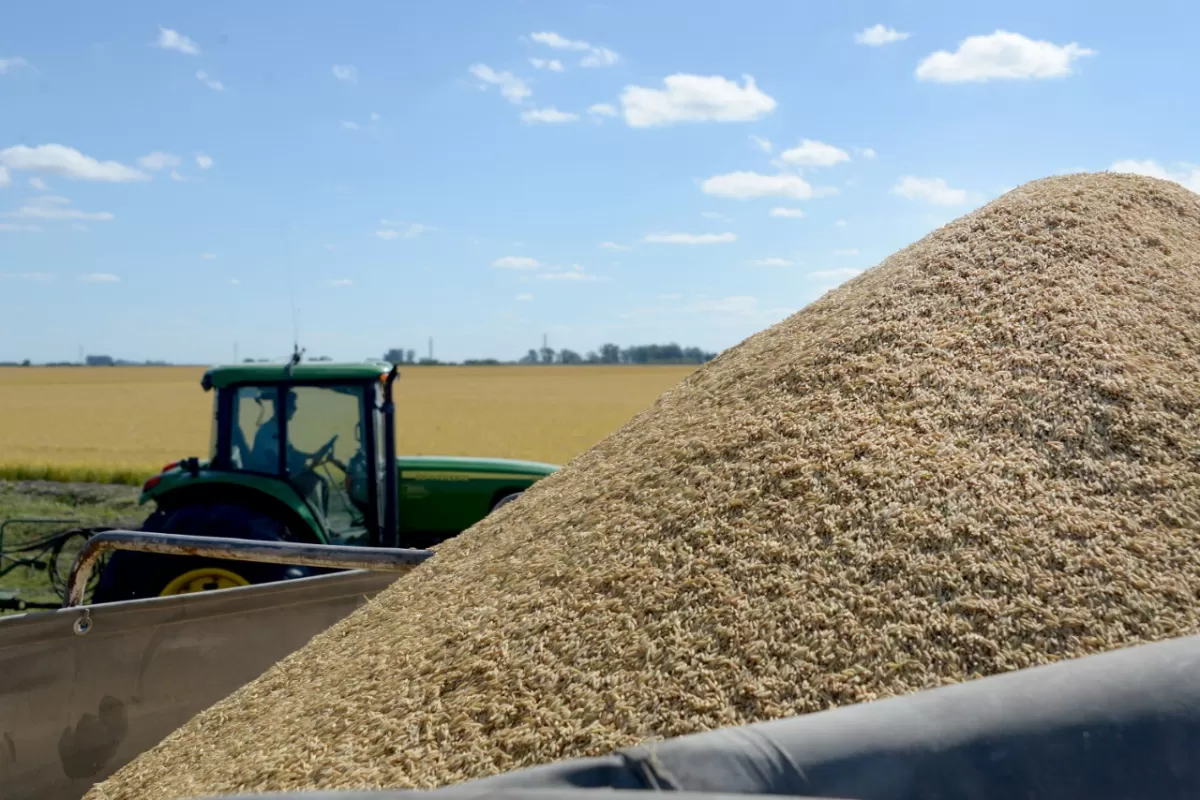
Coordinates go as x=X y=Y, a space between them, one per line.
x=379 y=559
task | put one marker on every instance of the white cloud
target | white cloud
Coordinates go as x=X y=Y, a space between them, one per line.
x=1187 y=175
x=13 y=227
x=346 y=72
x=602 y=110
x=13 y=62
x=787 y=213
x=841 y=223
x=524 y=297
x=558 y=42
x=878 y=35
x=376 y=116
x=235 y=282
x=36 y=183
x=689 y=238
x=744 y=185
x=208 y=256
x=203 y=161
x=932 y=190
x=866 y=152
x=761 y=143
x=599 y=57
x=210 y=81
x=773 y=261
x=350 y=126
x=176 y=176
x=552 y=64
x=695 y=98
x=53 y=207
x=158 y=160
x=596 y=57
x=49 y=212
x=1002 y=55
x=512 y=87
x=812 y=153
x=845 y=272
x=100 y=277
x=613 y=246
x=387 y=234
x=174 y=40
x=516 y=262
x=68 y=163
x=341 y=282
x=849 y=251
x=5 y=178
x=548 y=116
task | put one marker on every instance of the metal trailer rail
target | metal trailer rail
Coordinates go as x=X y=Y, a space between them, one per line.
x=85 y=689
x=384 y=559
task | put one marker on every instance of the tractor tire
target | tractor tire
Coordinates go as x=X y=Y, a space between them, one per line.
x=503 y=501
x=131 y=575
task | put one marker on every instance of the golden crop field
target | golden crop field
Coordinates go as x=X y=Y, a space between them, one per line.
x=122 y=423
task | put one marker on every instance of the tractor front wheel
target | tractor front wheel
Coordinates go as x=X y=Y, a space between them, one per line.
x=131 y=575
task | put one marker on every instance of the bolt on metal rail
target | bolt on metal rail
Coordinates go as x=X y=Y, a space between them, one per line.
x=378 y=559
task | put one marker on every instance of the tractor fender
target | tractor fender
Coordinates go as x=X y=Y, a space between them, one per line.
x=292 y=512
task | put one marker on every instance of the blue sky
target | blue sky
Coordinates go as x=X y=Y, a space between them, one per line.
x=172 y=175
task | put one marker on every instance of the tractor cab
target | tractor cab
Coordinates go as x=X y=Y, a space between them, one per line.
x=322 y=430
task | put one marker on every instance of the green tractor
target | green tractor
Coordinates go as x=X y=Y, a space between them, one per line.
x=336 y=479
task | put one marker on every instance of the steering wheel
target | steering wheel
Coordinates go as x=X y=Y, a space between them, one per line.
x=324 y=454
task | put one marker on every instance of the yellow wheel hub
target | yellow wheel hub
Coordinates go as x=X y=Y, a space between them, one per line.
x=203 y=580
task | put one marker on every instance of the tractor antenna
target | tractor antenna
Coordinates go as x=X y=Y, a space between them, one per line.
x=295 y=322
x=291 y=278
x=297 y=356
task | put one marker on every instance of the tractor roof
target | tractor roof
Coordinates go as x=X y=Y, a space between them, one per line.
x=304 y=372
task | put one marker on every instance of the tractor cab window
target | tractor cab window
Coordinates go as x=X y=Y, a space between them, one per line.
x=324 y=457
x=253 y=410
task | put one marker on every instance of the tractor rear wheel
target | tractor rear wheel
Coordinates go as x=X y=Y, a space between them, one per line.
x=130 y=575
x=503 y=501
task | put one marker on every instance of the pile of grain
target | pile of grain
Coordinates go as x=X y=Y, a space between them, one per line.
x=981 y=455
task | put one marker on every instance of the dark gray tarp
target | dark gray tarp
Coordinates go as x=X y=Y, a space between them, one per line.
x=1116 y=726
x=480 y=793
x=75 y=707
x=1123 y=724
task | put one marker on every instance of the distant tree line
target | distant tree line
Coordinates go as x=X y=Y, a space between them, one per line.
x=398 y=355
x=613 y=354
x=606 y=354
x=90 y=361
x=109 y=361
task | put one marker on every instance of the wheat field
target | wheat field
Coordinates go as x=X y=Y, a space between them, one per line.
x=120 y=424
